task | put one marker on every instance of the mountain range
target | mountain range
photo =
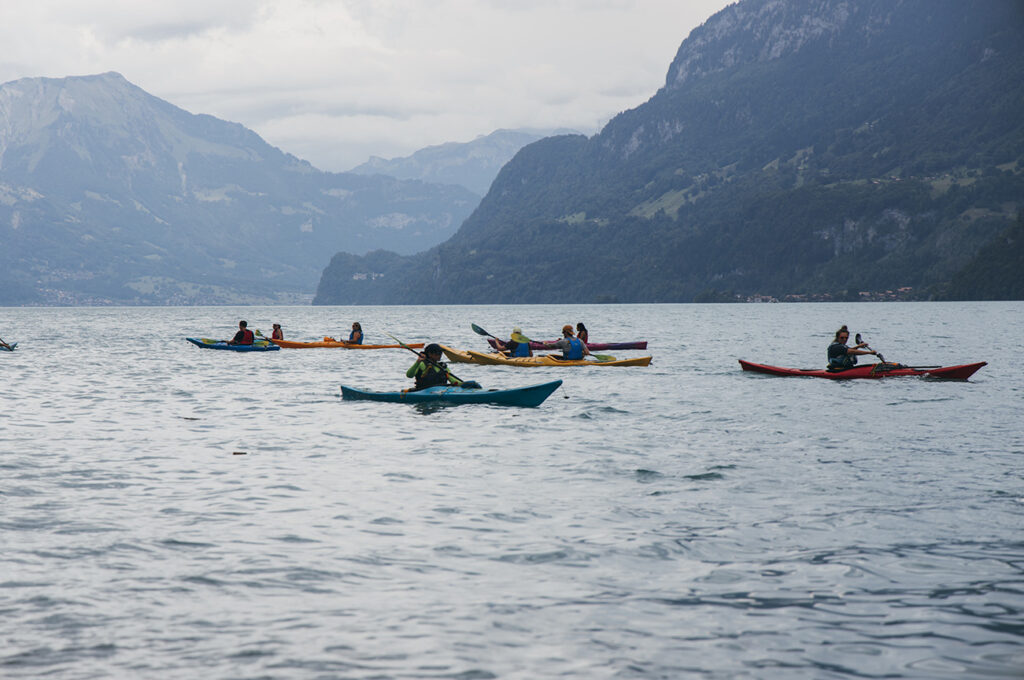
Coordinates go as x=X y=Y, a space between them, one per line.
x=472 y=164
x=109 y=195
x=807 y=148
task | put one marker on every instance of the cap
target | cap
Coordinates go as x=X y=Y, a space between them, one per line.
x=567 y=328
x=517 y=330
x=432 y=348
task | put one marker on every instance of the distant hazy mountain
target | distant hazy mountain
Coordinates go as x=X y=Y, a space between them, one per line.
x=111 y=195
x=797 y=147
x=473 y=165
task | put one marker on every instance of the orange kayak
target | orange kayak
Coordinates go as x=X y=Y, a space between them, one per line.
x=331 y=342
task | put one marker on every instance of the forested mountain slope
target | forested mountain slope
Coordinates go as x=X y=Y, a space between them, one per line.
x=797 y=147
x=109 y=195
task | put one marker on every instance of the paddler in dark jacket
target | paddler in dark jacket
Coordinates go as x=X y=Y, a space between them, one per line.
x=244 y=336
x=430 y=370
x=841 y=357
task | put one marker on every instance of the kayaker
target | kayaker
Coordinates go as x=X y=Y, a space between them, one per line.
x=429 y=370
x=356 y=336
x=841 y=357
x=573 y=349
x=244 y=336
x=513 y=348
x=277 y=333
x=581 y=333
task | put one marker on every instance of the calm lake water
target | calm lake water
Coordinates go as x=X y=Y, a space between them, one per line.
x=684 y=519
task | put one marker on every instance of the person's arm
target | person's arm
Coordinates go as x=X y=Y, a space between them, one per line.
x=414 y=369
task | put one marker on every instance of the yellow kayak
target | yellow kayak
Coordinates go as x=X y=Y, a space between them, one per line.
x=331 y=342
x=494 y=359
x=457 y=356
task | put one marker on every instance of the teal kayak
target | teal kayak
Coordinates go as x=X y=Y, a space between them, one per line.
x=259 y=346
x=532 y=395
x=9 y=348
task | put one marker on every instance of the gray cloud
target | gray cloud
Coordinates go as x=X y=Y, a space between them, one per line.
x=335 y=81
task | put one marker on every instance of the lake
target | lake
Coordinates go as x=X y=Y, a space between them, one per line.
x=174 y=512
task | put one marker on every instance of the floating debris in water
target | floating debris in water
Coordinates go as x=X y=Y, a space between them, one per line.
x=238 y=453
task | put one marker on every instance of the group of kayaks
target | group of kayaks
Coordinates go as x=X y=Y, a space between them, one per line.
x=534 y=395
x=469 y=393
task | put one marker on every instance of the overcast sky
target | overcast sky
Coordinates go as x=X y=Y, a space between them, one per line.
x=336 y=81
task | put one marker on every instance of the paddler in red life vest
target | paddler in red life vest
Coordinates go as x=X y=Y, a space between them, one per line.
x=244 y=336
x=573 y=349
x=277 y=334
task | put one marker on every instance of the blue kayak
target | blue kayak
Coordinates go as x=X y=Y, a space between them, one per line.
x=9 y=348
x=532 y=395
x=259 y=346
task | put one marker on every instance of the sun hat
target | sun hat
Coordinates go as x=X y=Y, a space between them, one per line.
x=517 y=330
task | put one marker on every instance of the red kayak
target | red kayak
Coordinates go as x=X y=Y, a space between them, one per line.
x=592 y=346
x=882 y=370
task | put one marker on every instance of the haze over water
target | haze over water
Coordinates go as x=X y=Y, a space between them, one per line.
x=685 y=519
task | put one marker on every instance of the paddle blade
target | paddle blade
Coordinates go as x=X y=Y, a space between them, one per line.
x=478 y=330
x=604 y=357
x=857 y=339
x=519 y=337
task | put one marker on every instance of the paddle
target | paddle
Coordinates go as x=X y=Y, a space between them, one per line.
x=519 y=337
x=465 y=383
x=6 y=345
x=481 y=331
x=858 y=340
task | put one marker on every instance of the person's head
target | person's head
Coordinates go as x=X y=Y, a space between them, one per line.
x=242 y=324
x=433 y=351
x=517 y=331
x=567 y=331
x=843 y=334
x=277 y=325
x=580 y=328
x=356 y=326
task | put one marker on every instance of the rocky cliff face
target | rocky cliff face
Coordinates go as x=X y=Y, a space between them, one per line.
x=108 y=194
x=797 y=147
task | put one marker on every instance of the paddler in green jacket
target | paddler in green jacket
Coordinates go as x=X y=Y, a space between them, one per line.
x=429 y=370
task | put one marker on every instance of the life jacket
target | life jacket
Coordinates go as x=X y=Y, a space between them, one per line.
x=840 y=362
x=432 y=374
x=352 y=338
x=247 y=337
x=575 y=351
x=519 y=349
x=278 y=334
